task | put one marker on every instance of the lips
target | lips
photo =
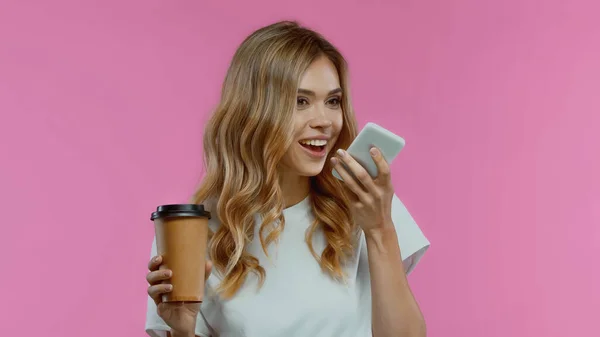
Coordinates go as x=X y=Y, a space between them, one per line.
x=316 y=147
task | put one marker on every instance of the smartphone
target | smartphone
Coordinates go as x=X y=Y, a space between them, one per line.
x=388 y=143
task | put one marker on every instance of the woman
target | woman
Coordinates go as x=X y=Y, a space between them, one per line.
x=295 y=251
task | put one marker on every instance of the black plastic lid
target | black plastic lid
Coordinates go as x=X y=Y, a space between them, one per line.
x=179 y=210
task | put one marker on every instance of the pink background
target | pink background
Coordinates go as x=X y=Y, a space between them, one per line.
x=103 y=104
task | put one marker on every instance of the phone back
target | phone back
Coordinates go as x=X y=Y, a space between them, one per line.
x=371 y=135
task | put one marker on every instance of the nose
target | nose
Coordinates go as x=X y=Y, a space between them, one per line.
x=320 y=123
x=320 y=119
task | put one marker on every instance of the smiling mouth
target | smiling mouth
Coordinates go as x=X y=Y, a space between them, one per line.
x=314 y=145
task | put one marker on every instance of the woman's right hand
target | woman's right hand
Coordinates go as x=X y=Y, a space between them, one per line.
x=181 y=317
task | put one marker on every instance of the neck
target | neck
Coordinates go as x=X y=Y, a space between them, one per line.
x=293 y=187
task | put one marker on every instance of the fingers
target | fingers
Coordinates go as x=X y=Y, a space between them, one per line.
x=359 y=172
x=348 y=179
x=156 y=291
x=154 y=263
x=157 y=276
x=383 y=168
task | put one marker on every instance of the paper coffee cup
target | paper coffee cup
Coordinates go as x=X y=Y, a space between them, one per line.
x=181 y=237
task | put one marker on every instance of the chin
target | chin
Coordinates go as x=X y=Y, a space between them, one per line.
x=311 y=170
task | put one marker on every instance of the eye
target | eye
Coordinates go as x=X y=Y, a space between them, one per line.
x=335 y=102
x=301 y=102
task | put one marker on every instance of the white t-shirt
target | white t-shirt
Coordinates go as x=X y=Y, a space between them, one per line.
x=297 y=298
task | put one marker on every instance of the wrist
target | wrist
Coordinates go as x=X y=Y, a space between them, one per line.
x=383 y=241
x=381 y=231
x=175 y=333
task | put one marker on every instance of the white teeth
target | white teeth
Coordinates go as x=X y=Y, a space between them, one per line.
x=314 y=142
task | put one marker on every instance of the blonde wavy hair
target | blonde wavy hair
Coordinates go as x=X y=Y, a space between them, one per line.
x=244 y=142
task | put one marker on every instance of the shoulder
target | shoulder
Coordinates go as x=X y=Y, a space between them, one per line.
x=214 y=223
x=411 y=239
x=413 y=242
x=211 y=206
x=399 y=212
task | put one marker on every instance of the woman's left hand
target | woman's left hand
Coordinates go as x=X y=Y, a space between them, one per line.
x=372 y=199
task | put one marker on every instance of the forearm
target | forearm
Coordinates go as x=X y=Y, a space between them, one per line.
x=180 y=334
x=395 y=310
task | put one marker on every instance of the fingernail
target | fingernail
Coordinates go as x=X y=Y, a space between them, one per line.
x=156 y=259
x=334 y=161
x=169 y=287
x=374 y=152
x=341 y=152
x=168 y=273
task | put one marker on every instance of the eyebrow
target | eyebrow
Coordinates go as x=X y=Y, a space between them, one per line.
x=312 y=93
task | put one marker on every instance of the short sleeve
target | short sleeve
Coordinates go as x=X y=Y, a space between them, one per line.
x=156 y=327
x=412 y=241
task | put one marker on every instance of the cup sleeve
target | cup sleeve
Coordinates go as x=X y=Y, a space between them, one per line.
x=156 y=326
x=412 y=241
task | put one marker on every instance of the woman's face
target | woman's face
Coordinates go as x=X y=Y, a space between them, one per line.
x=318 y=119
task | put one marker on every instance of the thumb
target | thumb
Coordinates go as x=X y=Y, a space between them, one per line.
x=207 y=269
